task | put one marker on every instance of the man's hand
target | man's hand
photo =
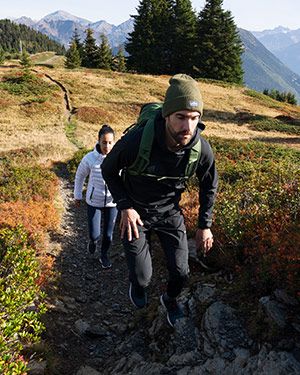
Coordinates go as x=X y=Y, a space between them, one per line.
x=204 y=240
x=128 y=223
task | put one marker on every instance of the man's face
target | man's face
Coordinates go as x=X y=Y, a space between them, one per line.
x=181 y=126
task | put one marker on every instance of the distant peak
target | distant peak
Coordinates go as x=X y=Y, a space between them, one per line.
x=61 y=15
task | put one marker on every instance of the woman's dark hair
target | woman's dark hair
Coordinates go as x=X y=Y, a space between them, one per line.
x=106 y=129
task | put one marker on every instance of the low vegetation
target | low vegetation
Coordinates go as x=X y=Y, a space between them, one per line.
x=27 y=193
x=256 y=214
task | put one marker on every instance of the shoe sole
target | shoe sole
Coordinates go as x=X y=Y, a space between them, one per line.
x=131 y=299
x=103 y=266
x=163 y=304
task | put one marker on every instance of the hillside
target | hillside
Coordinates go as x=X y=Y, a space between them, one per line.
x=11 y=35
x=263 y=70
x=241 y=314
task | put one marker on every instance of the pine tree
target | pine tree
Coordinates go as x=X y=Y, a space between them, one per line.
x=2 y=55
x=219 y=47
x=119 y=61
x=184 y=37
x=149 y=45
x=104 y=54
x=72 y=57
x=25 y=60
x=79 y=44
x=90 y=55
x=140 y=41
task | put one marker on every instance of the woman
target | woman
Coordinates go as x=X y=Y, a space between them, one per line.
x=98 y=198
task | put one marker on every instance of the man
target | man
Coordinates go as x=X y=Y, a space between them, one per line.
x=150 y=201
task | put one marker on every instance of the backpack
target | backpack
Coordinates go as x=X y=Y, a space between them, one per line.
x=146 y=120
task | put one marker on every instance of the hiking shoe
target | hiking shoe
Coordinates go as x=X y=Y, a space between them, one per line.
x=137 y=295
x=174 y=310
x=91 y=246
x=105 y=262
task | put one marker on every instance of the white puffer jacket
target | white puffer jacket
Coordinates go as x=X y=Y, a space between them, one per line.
x=97 y=194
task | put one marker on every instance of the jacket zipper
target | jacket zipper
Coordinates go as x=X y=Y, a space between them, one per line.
x=92 y=192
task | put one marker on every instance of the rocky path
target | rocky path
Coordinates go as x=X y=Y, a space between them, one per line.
x=92 y=329
x=88 y=306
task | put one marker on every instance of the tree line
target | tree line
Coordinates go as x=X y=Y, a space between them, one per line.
x=169 y=37
x=89 y=55
x=14 y=37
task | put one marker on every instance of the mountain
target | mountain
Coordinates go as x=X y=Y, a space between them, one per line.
x=284 y=44
x=290 y=56
x=278 y=38
x=263 y=70
x=60 y=26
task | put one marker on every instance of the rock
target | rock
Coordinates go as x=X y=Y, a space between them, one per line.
x=37 y=367
x=282 y=296
x=223 y=332
x=87 y=370
x=191 y=358
x=81 y=326
x=274 y=310
x=185 y=339
x=94 y=332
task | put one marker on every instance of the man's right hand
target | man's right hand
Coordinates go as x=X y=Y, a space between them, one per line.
x=128 y=223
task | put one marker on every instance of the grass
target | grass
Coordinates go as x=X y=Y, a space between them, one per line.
x=263 y=123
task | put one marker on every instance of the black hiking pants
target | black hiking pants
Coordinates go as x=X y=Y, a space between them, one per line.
x=171 y=231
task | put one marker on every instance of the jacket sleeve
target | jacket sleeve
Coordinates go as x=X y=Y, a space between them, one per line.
x=82 y=172
x=118 y=158
x=208 y=183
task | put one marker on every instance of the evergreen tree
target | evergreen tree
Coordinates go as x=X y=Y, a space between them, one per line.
x=79 y=44
x=219 y=47
x=90 y=55
x=184 y=37
x=25 y=60
x=72 y=57
x=104 y=54
x=140 y=41
x=2 y=55
x=150 y=44
x=119 y=61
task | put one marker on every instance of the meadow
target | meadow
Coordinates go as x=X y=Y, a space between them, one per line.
x=257 y=146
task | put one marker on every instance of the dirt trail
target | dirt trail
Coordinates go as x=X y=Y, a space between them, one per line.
x=89 y=311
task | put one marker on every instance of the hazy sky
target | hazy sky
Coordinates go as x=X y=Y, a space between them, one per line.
x=248 y=14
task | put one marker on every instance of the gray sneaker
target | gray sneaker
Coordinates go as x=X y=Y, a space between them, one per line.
x=174 y=310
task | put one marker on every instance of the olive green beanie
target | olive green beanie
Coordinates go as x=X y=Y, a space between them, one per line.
x=182 y=94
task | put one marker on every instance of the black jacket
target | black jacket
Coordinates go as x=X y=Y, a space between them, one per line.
x=143 y=192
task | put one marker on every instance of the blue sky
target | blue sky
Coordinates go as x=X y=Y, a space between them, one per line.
x=248 y=14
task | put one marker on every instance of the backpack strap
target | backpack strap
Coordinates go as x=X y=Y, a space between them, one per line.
x=192 y=164
x=142 y=160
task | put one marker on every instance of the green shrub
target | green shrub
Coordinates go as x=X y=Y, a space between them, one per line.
x=25 y=182
x=264 y=123
x=256 y=212
x=74 y=162
x=26 y=84
x=21 y=304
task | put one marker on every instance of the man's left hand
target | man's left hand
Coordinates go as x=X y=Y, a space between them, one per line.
x=204 y=240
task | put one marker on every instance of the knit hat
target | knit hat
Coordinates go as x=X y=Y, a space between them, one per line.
x=182 y=94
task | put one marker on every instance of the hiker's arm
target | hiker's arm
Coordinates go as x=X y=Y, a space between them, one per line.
x=82 y=172
x=118 y=158
x=208 y=182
